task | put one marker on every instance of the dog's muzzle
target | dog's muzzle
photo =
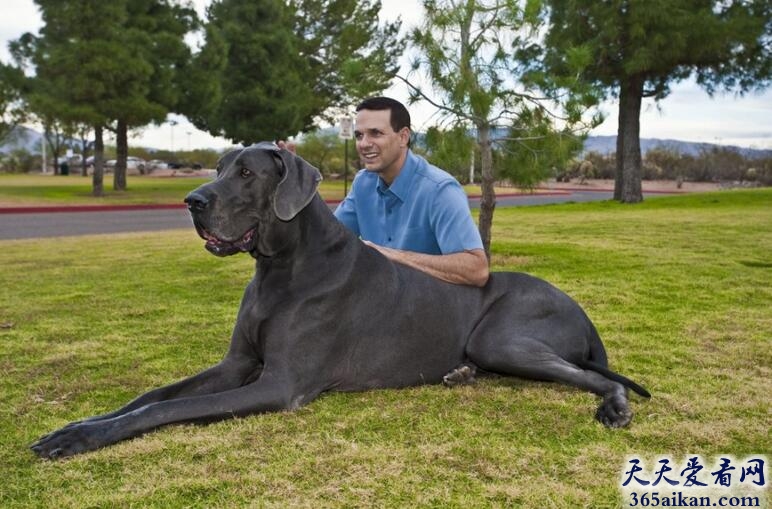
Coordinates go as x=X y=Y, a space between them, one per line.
x=197 y=204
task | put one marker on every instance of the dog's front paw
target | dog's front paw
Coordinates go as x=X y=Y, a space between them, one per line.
x=75 y=438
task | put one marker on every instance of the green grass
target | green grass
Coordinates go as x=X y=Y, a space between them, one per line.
x=49 y=190
x=679 y=287
x=26 y=190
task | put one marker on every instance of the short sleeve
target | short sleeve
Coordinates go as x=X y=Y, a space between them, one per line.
x=452 y=220
x=346 y=211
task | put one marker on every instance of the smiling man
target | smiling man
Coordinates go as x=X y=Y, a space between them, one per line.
x=412 y=212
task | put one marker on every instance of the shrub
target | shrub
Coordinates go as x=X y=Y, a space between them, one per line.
x=19 y=161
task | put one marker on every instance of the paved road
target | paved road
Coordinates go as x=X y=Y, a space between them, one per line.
x=55 y=224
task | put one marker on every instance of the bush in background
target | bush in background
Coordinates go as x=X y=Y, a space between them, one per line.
x=19 y=161
x=712 y=164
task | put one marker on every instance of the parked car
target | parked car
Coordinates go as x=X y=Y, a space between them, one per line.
x=156 y=164
x=134 y=165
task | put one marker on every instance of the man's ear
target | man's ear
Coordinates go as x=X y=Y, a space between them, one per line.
x=404 y=135
x=297 y=186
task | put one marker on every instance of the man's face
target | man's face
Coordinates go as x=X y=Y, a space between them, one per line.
x=381 y=150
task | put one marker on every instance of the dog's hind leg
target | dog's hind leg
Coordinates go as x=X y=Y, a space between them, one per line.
x=531 y=359
x=463 y=374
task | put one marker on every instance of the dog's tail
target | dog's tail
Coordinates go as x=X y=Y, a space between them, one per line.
x=603 y=370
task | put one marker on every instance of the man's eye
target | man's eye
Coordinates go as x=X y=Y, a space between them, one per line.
x=245 y=173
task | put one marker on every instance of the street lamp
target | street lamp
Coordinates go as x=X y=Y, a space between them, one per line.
x=173 y=123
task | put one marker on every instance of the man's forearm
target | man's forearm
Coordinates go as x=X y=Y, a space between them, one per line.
x=466 y=267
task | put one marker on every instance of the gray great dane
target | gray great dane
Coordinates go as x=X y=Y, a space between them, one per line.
x=325 y=312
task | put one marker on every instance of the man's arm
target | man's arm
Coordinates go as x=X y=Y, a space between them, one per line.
x=464 y=268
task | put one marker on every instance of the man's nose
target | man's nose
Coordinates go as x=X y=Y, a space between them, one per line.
x=364 y=141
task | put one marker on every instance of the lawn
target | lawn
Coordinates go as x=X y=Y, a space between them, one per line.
x=680 y=289
x=26 y=190
x=54 y=190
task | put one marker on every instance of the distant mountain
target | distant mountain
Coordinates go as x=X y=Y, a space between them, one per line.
x=22 y=138
x=608 y=145
x=29 y=140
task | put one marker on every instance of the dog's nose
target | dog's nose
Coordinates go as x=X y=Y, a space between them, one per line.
x=196 y=201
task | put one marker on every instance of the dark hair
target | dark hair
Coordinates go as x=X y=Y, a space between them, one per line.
x=399 y=115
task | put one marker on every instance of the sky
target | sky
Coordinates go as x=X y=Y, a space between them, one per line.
x=687 y=114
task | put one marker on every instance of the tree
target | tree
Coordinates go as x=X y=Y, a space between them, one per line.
x=324 y=150
x=11 y=110
x=280 y=66
x=153 y=52
x=633 y=49
x=75 y=66
x=105 y=64
x=475 y=53
x=349 y=57
x=532 y=155
x=451 y=149
x=42 y=106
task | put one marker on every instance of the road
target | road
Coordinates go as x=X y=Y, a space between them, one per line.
x=26 y=225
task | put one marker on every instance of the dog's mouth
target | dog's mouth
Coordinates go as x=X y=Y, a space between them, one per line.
x=221 y=247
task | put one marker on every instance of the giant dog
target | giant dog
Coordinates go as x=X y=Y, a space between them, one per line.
x=325 y=312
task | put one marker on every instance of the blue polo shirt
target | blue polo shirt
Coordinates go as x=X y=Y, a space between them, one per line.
x=424 y=210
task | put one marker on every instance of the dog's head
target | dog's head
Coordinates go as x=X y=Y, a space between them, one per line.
x=255 y=188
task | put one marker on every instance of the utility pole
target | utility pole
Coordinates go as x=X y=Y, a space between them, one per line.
x=471 y=170
x=346 y=132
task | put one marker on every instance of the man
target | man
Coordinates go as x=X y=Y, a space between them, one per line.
x=409 y=210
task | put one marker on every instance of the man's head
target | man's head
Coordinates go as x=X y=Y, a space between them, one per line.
x=382 y=133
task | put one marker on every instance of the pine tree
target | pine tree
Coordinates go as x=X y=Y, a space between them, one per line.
x=281 y=66
x=633 y=49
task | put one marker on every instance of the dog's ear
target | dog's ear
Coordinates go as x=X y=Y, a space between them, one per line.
x=297 y=187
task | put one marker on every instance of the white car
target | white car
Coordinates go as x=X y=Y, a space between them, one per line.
x=134 y=165
x=156 y=164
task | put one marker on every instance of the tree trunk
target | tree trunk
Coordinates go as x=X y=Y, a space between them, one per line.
x=488 y=199
x=83 y=153
x=627 y=182
x=99 y=151
x=618 y=157
x=122 y=151
x=47 y=141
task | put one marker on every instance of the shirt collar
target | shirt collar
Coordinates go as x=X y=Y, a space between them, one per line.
x=401 y=185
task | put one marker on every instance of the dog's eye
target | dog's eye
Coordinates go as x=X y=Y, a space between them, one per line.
x=245 y=173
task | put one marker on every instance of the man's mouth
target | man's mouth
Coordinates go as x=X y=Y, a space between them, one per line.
x=370 y=157
x=221 y=247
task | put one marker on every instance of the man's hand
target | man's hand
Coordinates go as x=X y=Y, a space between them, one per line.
x=464 y=268
x=287 y=145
